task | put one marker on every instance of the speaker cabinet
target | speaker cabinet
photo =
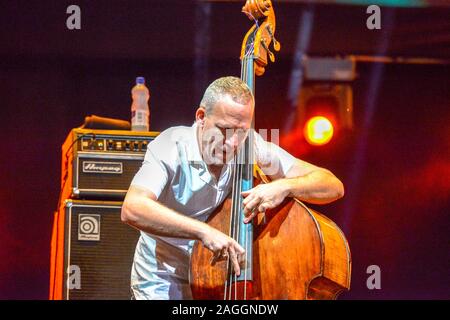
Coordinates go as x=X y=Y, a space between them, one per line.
x=92 y=251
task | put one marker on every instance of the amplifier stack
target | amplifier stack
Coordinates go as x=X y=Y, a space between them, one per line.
x=91 y=249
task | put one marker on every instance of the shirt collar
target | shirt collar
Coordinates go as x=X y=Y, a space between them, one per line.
x=193 y=153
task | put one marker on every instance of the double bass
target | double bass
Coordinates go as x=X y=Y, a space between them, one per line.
x=291 y=252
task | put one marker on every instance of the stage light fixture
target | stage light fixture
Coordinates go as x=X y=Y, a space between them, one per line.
x=326 y=92
x=331 y=101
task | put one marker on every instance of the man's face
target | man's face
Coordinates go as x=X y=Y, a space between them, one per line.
x=223 y=131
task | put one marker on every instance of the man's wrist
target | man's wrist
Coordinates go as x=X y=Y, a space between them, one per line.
x=287 y=186
x=201 y=230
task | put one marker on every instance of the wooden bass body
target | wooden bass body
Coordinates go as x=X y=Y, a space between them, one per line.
x=298 y=253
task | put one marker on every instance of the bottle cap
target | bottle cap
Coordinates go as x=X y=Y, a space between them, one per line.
x=140 y=80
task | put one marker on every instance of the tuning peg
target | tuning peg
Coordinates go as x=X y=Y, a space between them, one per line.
x=271 y=55
x=276 y=44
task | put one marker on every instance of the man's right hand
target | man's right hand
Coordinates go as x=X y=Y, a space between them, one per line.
x=223 y=247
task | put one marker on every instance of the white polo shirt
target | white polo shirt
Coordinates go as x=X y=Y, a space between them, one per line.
x=173 y=169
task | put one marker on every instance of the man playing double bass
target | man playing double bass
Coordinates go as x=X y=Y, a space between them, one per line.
x=187 y=174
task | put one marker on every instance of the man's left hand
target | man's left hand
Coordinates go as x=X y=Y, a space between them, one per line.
x=263 y=197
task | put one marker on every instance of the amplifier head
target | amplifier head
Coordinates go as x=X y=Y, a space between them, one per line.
x=100 y=164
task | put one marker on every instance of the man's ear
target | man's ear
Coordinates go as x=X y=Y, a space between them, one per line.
x=200 y=115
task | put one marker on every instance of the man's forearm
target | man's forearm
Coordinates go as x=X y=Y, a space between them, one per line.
x=152 y=217
x=318 y=187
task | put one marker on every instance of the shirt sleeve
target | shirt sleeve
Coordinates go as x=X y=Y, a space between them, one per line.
x=153 y=174
x=271 y=158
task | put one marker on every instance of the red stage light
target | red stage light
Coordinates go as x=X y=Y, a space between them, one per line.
x=318 y=130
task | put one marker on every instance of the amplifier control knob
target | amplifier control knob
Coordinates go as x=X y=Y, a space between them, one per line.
x=92 y=144
x=85 y=144
x=110 y=144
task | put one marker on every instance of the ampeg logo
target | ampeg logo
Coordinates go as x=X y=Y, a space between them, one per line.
x=102 y=167
x=89 y=227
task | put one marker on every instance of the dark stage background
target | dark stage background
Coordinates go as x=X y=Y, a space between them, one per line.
x=396 y=167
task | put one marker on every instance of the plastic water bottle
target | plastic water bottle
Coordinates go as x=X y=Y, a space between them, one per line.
x=140 y=111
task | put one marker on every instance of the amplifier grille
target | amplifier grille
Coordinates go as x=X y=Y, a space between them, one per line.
x=104 y=265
